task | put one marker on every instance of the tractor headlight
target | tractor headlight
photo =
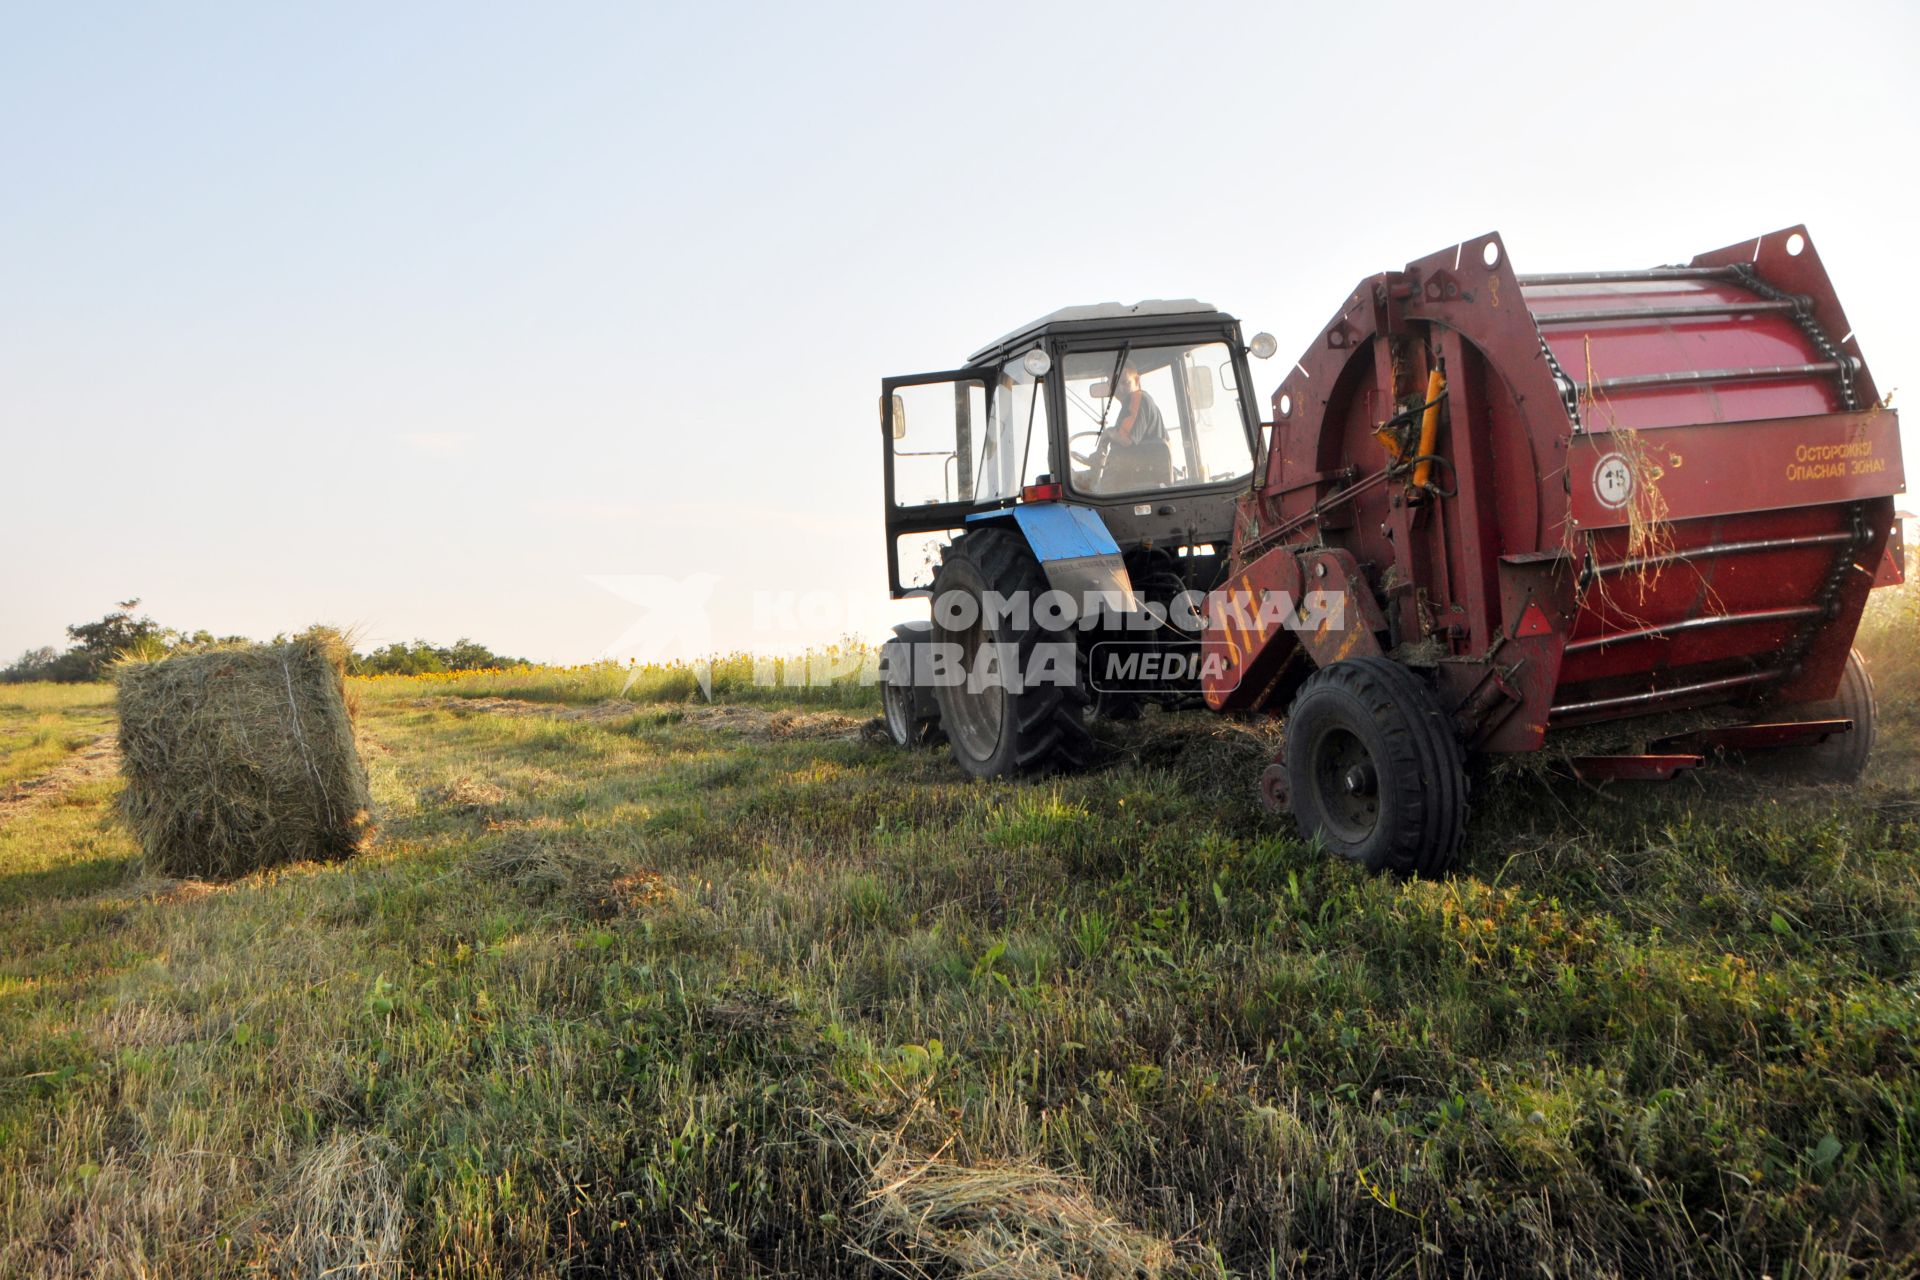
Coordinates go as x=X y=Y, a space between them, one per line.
x=1037 y=362
x=1263 y=346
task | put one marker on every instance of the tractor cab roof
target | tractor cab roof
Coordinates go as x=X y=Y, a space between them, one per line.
x=1102 y=315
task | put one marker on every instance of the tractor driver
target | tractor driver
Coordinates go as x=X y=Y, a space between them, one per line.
x=1137 y=453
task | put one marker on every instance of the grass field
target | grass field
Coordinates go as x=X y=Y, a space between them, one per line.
x=648 y=988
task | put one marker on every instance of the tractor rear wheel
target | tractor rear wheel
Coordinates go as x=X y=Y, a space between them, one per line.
x=1843 y=757
x=1374 y=769
x=1005 y=709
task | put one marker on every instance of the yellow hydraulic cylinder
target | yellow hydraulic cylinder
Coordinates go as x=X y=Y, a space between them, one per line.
x=1429 y=428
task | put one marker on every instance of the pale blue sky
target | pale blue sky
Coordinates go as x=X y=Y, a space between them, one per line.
x=413 y=317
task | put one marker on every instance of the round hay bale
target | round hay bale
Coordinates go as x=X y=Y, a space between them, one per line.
x=242 y=758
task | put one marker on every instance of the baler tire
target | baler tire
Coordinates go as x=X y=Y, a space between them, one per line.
x=1042 y=727
x=905 y=725
x=1843 y=757
x=1407 y=754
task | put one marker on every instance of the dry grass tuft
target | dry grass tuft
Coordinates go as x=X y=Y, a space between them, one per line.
x=550 y=865
x=243 y=758
x=763 y=725
x=181 y=890
x=1001 y=1220
x=473 y=797
x=630 y=892
x=1203 y=749
x=540 y=862
x=344 y=1215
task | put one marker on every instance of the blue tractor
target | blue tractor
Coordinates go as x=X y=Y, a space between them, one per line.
x=1065 y=500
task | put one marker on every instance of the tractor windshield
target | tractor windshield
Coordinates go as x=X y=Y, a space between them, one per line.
x=1141 y=418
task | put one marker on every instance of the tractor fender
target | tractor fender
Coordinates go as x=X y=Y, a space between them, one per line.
x=1075 y=550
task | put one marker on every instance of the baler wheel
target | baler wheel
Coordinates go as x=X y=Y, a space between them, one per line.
x=907 y=725
x=1843 y=757
x=995 y=731
x=1375 y=769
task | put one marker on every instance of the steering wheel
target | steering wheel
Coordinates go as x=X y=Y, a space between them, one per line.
x=1089 y=458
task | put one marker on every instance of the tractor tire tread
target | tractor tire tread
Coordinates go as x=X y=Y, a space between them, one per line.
x=1049 y=719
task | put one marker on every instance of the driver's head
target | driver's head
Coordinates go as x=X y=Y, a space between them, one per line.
x=1129 y=377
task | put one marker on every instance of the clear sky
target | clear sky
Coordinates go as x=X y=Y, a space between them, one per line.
x=442 y=320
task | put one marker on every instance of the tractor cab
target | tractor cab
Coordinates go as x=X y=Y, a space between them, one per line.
x=1095 y=456
x=1141 y=415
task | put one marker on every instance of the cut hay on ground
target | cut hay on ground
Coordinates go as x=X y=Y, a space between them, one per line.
x=554 y=867
x=541 y=862
x=1005 y=1221
x=344 y=1215
x=237 y=759
x=1219 y=754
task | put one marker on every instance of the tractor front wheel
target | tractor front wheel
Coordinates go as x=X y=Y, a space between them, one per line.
x=1006 y=709
x=1374 y=769
x=905 y=704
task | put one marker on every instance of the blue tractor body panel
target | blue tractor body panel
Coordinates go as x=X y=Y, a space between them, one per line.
x=1074 y=547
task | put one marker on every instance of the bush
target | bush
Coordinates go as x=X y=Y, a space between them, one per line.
x=421 y=658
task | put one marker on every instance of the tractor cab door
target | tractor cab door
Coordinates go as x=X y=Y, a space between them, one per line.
x=933 y=431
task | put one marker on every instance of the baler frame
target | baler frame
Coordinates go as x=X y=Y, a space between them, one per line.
x=1506 y=629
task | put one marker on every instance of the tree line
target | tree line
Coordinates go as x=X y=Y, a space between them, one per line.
x=96 y=646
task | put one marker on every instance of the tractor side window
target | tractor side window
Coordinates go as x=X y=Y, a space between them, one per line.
x=936 y=430
x=1016 y=448
x=1217 y=423
x=918 y=555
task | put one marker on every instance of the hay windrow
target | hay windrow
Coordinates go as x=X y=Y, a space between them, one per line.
x=242 y=758
x=96 y=760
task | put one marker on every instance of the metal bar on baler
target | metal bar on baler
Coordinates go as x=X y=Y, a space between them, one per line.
x=1689 y=377
x=1664 y=695
x=1600 y=315
x=1546 y=279
x=1695 y=624
x=1281 y=531
x=1722 y=549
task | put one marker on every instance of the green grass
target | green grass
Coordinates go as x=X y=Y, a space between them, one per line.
x=841 y=675
x=634 y=994
x=42 y=724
